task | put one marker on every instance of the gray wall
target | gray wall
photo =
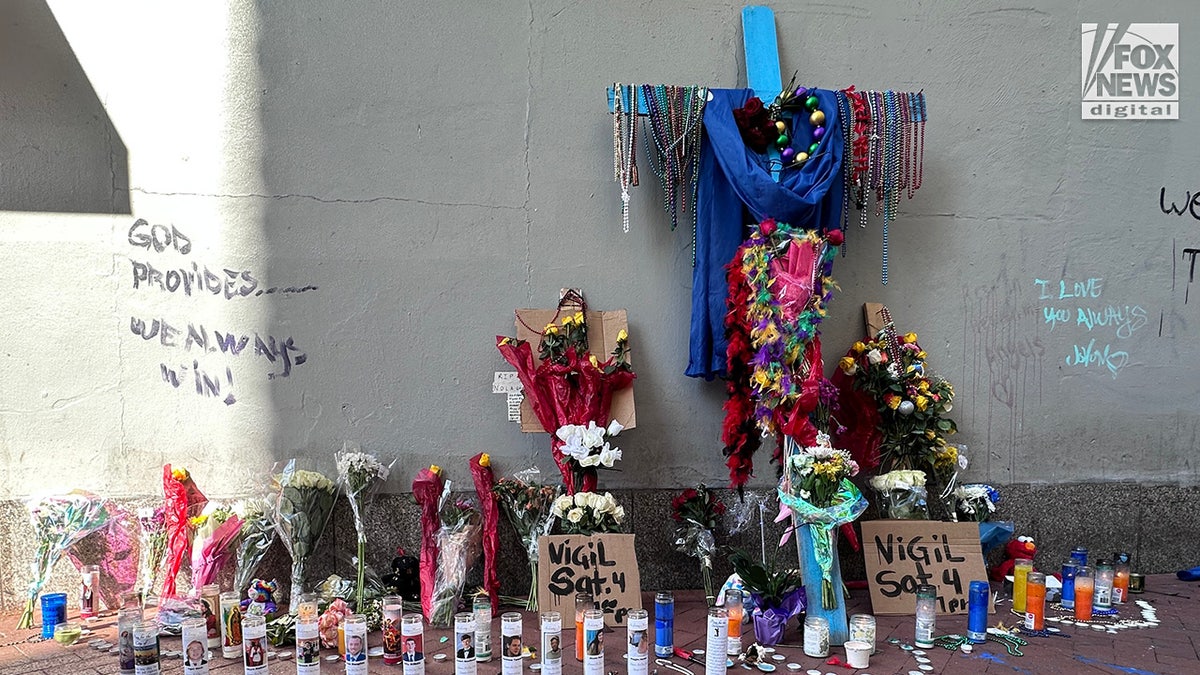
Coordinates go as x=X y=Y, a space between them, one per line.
x=428 y=167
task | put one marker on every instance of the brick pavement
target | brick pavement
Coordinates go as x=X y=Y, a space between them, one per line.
x=1168 y=649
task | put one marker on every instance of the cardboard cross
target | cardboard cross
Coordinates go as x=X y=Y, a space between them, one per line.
x=761 y=47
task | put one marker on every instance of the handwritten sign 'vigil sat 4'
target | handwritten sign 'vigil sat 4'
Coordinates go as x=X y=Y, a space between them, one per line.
x=603 y=565
x=904 y=554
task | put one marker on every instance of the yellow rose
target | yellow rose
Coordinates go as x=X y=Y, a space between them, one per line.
x=923 y=386
x=910 y=338
x=921 y=355
x=859 y=348
x=550 y=329
x=922 y=402
x=622 y=335
x=179 y=474
x=435 y=469
x=578 y=318
x=929 y=434
x=568 y=320
x=848 y=365
x=506 y=341
x=485 y=460
x=892 y=401
x=592 y=359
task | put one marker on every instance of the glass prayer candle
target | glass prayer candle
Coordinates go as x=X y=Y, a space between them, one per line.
x=194 y=634
x=1080 y=555
x=355 y=627
x=1084 y=587
x=210 y=604
x=1137 y=583
x=464 y=644
x=1067 y=599
x=816 y=637
x=1120 y=592
x=583 y=602
x=145 y=648
x=664 y=624
x=926 y=618
x=734 y=609
x=254 y=644
x=637 y=647
x=1035 y=601
x=1102 y=597
x=482 y=606
x=593 y=635
x=862 y=629
x=306 y=607
x=127 y=619
x=717 y=637
x=551 y=630
x=89 y=578
x=977 y=611
x=412 y=629
x=1021 y=567
x=392 y=610
x=231 y=625
x=342 y=639
x=308 y=644
x=54 y=612
x=511 y=643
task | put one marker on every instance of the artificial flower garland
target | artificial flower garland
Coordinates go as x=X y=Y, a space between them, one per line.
x=774 y=362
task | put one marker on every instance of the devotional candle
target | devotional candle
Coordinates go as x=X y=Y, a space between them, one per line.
x=593 y=635
x=89 y=585
x=392 y=610
x=734 y=609
x=1102 y=593
x=664 y=624
x=231 y=625
x=146 y=648
x=412 y=627
x=977 y=611
x=1067 y=599
x=1035 y=601
x=194 y=635
x=210 y=604
x=583 y=602
x=1021 y=567
x=511 y=644
x=637 y=646
x=356 y=644
x=717 y=637
x=1120 y=593
x=308 y=643
x=127 y=619
x=464 y=644
x=483 y=628
x=254 y=644
x=1084 y=587
x=926 y=619
x=551 y=631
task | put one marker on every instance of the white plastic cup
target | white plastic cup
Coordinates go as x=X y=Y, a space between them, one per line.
x=858 y=654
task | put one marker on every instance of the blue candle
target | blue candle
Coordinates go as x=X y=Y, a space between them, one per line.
x=54 y=612
x=1080 y=555
x=1068 y=584
x=664 y=625
x=977 y=611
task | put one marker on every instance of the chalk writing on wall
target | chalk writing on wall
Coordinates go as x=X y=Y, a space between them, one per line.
x=279 y=354
x=1102 y=329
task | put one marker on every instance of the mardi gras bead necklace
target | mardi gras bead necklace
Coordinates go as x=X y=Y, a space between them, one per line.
x=625 y=145
x=675 y=125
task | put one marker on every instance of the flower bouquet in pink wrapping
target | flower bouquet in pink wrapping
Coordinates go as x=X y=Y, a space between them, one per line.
x=569 y=386
x=216 y=529
x=58 y=523
x=114 y=548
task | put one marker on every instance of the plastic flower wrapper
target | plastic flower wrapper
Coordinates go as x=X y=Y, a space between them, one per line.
x=527 y=505
x=254 y=538
x=182 y=501
x=587 y=513
x=775 y=593
x=58 y=523
x=303 y=503
x=115 y=549
x=485 y=482
x=216 y=530
x=360 y=475
x=570 y=385
x=152 y=547
x=902 y=494
x=698 y=512
x=816 y=493
x=427 y=491
x=458 y=542
x=976 y=501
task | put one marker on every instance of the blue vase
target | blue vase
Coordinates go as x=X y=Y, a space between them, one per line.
x=839 y=629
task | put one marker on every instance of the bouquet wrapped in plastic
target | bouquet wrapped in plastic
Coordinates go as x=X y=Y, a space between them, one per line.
x=152 y=547
x=254 y=538
x=182 y=501
x=216 y=529
x=303 y=503
x=698 y=512
x=902 y=494
x=114 y=548
x=527 y=505
x=58 y=523
x=360 y=476
x=587 y=513
x=458 y=544
x=975 y=501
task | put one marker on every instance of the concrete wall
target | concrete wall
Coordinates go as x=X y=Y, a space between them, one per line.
x=396 y=177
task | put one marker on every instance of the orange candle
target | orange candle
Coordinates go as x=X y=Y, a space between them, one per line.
x=1121 y=583
x=1035 y=601
x=1084 y=586
x=583 y=602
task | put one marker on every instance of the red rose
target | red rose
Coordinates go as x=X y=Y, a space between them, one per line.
x=767 y=227
x=836 y=237
x=753 y=106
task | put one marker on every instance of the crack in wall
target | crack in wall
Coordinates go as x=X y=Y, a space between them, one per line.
x=325 y=200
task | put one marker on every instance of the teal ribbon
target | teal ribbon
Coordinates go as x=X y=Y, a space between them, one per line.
x=848 y=505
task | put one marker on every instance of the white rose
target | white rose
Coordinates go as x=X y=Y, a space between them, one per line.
x=562 y=504
x=569 y=431
x=875 y=356
x=581 y=498
x=590 y=460
x=606 y=504
x=593 y=436
x=609 y=455
x=614 y=428
x=947 y=407
x=619 y=514
x=575 y=515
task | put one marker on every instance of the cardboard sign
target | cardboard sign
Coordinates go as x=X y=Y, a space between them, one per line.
x=604 y=565
x=602 y=339
x=903 y=554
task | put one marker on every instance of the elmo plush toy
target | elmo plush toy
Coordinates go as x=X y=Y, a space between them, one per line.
x=1021 y=547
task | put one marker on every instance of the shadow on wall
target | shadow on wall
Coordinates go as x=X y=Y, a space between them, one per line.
x=59 y=151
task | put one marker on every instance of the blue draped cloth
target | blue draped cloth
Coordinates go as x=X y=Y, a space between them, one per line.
x=735 y=183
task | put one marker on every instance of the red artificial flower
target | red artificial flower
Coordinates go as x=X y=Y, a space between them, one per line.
x=768 y=227
x=836 y=237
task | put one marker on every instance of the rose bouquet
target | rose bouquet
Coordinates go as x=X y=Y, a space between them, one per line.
x=152 y=547
x=254 y=538
x=182 y=501
x=587 y=513
x=976 y=501
x=303 y=502
x=569 y=386
x=528 y=507
x=902 y=494
x=698 y=512
x=427 y=490
x=360 y=476
x=485 y=485
x=58 y=523
x=458 y=545
x=816 y=493
x=586 y=448
x=216 y=529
